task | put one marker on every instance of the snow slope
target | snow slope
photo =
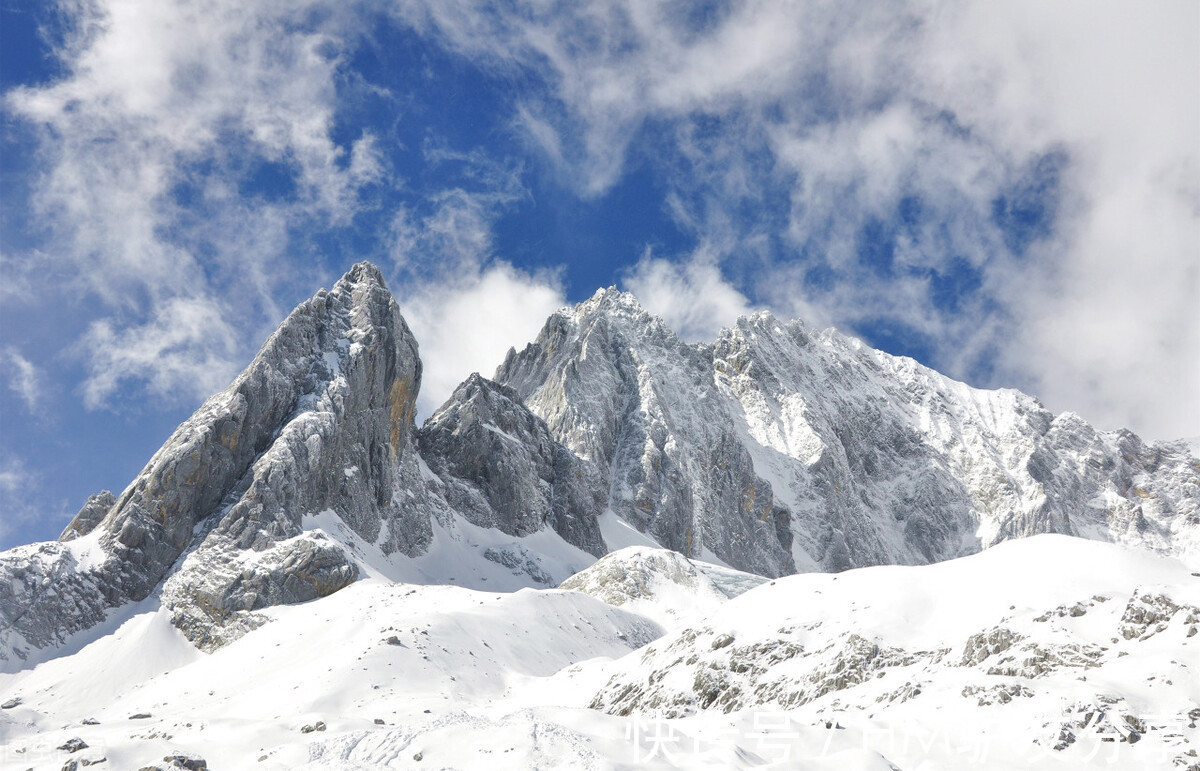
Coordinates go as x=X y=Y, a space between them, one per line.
x=988 y=661
x=374 y=650
x=661 y=584
x=1045 y=651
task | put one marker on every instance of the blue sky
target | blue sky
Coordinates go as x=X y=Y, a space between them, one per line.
x=1007 y=192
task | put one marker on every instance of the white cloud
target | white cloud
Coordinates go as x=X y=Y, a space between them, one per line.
x=168 y=99
x=12 y=476
x=366 y=160
x=17 y=496
x=692 y=297
x=465 y=306
x=186 y=350
x=448 y=234
x=468 y=325
x=12 y=480
x=24 y=378
x=159 y=86
x=855 y=107
x=1109 y=322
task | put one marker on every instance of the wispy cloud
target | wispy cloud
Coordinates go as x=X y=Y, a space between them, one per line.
x=187 y=349
x=692 y=297
x=19 y=501
x=25 y=379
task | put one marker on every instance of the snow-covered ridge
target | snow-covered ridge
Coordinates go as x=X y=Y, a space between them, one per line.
x=1042 y=652
x=661 y=584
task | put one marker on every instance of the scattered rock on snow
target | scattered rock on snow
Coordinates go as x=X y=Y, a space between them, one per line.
x=186 y=761
x=73 y=745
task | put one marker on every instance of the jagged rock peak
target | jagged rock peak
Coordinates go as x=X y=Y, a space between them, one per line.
x=92 y=514
x=344 y=443
x=762 y=319
x=321 y=420
x=613 y=306
x=474 y=388
x=501 y=467
x=610 y=299
x=364 y=272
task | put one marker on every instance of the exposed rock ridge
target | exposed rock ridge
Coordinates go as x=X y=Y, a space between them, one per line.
x=321 y=419
x=777 y=447
x=92 y=514
x=620 y=389
x=882 y=460
x=502 y=469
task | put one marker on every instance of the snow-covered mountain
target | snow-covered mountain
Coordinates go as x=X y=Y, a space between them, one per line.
x=779 y=448
x=301 y=527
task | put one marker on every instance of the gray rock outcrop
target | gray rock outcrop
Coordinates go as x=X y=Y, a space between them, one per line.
x=622 y=391
x=322 y=419
x=92 y=514
x=502 y=469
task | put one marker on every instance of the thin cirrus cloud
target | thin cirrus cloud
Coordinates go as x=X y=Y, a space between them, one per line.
x=185 y=348
x=25 y=379
x=18 y=496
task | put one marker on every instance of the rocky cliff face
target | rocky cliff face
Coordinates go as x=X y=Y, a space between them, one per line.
x=619 y=389
x=321 y=419
x=778 y=447
x=881 y=460
x=502 y=469
x=774 y=449
x=344 y=371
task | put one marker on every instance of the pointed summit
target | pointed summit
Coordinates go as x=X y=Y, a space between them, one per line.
x=364 y=272
x=622 y=309
x=321 y=420
x=610 y=299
